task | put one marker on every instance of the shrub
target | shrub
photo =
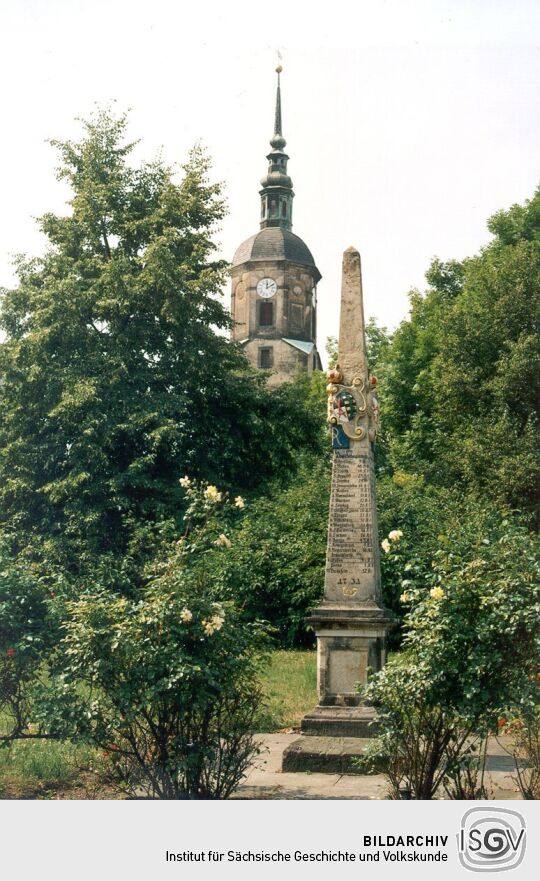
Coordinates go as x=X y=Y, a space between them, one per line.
x=26 y=634
x=471 y=638
x=165 y=684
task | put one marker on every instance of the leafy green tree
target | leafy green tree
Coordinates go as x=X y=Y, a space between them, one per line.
x=405 y=367
x=461 y=386
x=116 y=376
x=377 y=344
x=487 y=374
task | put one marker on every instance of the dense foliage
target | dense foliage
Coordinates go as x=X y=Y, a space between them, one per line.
x=275 y=565
x=471 y=649
x=115 y=373
x=164 y=684
x=461 y=378
x=27 y=633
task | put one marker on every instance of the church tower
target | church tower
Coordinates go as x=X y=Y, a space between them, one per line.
x=274 y=278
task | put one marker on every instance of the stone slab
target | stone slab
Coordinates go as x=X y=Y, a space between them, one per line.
x=332 y=721
x=329 y=755
x=265 y=780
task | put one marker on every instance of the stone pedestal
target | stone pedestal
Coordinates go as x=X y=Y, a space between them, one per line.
x=350 y=639
x=351 y=623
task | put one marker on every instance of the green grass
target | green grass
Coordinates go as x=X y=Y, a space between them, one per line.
x=34 y=766
x=44 y=768
x=290 y=689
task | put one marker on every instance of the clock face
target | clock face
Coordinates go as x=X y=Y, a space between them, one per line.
x=266 y=287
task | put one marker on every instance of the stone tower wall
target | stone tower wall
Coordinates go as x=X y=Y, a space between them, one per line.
x=294 y=315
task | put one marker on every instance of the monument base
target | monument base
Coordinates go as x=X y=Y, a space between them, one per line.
x=332 y=721
x=334 y=740
x=327 y=755
x=350 y=639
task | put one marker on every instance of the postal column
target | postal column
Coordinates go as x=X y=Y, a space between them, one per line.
x=351 y=623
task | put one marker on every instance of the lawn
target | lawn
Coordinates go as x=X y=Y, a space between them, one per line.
x=48 y=769
x=290 y=689
x=43 y=769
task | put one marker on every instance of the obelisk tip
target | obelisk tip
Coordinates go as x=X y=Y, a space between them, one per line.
x=351 y=261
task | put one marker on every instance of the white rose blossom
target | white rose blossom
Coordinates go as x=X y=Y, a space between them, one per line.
x=223 y=541
x=214 y=623
x=212 y=494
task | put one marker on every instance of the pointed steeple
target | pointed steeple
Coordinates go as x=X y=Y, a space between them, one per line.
x=277 y=192
x=278 y=134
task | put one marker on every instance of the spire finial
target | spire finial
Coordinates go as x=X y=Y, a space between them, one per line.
x=277 y=119
x=278 y=141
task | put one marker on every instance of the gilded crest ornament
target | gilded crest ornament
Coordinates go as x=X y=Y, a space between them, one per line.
x=349 y=405
x=343 y=408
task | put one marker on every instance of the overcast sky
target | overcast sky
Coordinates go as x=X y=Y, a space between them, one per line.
x=407 y=123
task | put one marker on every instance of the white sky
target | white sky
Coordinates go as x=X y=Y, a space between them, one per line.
x=407 y=123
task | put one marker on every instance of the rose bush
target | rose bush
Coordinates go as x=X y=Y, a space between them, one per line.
x=165 y=684
x=471 y=643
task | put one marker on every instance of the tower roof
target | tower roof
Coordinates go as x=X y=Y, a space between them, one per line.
x=274 y=243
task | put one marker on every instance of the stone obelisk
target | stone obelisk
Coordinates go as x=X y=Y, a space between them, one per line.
x=351 y=623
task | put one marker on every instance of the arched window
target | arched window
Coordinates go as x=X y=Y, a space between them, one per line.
x=266 y=314
x=284 y=209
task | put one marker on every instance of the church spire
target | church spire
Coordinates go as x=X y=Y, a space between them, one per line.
x=277 y=118
x=277 y=192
